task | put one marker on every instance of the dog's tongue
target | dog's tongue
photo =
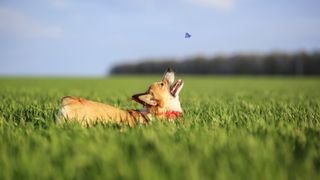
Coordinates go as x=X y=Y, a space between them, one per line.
x=175 y=87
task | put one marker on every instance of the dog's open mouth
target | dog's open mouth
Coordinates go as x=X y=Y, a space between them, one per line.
x=174 y=88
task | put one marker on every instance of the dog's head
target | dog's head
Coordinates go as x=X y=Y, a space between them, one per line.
x=162 y=96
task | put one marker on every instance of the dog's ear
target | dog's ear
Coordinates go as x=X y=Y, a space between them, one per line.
x=144 y=98
x=148 y=99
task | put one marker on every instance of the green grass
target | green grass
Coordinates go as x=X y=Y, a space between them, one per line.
x=235 y=128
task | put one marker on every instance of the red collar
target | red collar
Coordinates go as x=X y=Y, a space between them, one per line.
x=170 y=114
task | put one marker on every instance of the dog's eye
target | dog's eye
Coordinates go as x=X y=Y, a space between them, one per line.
x=162 y=84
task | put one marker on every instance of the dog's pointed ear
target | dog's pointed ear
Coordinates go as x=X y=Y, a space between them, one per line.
x=148 y=99
x=144 y=98
x=168 y=76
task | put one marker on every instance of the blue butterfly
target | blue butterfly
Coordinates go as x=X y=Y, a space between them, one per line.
x=187 y=35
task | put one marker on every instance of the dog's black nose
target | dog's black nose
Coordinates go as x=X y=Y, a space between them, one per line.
x=169 y=70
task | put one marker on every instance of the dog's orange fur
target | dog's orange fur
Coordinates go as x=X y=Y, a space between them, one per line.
x=88 y=112
x=156 y=102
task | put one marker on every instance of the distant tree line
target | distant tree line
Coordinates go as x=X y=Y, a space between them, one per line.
x=301 y=63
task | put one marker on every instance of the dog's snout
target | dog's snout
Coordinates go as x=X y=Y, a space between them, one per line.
x=169 y=69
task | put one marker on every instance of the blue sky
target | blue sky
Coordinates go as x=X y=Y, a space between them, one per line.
x=87 y=37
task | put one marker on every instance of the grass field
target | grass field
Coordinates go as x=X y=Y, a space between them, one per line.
x=235 y=128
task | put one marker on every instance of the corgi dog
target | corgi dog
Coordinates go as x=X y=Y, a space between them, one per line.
x=160 y=101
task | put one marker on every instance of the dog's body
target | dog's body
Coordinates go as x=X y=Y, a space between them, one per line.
x=88 y=112
x=160 y=101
